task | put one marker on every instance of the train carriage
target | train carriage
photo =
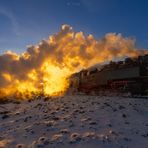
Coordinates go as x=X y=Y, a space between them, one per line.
x=130 y=75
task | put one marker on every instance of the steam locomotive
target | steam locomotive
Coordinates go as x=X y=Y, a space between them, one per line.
x=130 y=75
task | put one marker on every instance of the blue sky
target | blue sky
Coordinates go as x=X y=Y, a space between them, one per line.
x=25 y=22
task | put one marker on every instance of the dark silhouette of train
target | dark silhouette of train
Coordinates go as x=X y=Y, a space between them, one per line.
x=130 y=75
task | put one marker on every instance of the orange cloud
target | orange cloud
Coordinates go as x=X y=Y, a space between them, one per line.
x=45 y=67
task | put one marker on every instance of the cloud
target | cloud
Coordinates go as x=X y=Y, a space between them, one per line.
x=47 y=64
x=8 y=13
x=91 y=5
x=76 y=4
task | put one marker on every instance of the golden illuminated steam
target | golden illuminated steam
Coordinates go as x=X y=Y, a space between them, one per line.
x=44 y=68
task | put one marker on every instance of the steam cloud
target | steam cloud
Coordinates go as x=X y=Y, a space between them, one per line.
x=64 y=53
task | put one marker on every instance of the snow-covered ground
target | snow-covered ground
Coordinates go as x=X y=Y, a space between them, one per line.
x=78 y=121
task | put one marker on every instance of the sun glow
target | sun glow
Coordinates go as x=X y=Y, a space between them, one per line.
x=54 y=79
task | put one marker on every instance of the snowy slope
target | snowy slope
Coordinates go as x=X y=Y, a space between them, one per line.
x=75 y=122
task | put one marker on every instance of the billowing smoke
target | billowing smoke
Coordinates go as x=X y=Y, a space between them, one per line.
x=45 y=67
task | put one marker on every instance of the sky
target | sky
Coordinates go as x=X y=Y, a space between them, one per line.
x=27 y=22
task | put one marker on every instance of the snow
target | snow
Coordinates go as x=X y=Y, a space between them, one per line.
x=78 y=121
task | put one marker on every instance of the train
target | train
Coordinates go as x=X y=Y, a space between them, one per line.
x=127 y=76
